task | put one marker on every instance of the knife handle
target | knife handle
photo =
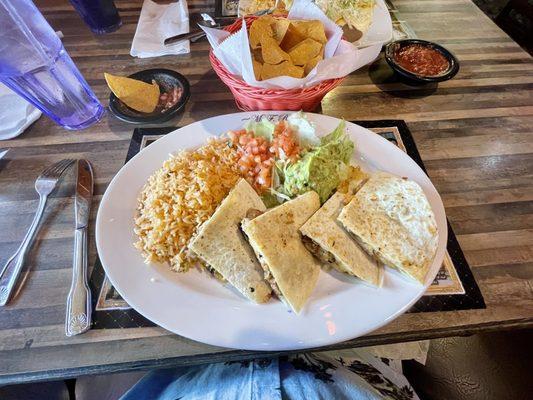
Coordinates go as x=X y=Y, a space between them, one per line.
x=192 y=36
x=78 y=318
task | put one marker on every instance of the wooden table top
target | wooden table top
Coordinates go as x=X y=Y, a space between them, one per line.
x=473 y=132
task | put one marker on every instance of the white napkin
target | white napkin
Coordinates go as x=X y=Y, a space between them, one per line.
x=16 y=114
x=341 y=57
x=158 y=22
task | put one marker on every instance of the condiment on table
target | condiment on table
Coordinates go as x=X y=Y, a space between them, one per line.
x=421 y=60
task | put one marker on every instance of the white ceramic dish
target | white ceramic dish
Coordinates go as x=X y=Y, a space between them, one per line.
x=197 y=306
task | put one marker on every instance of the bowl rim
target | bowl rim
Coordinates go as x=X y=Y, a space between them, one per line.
x=154 y=119
x=452 y=71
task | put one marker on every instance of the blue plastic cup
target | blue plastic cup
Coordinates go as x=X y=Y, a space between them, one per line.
x=101 y=15
x=34 y=64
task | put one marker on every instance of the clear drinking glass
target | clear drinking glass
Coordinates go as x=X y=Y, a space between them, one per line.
x=34 y=64
x=101 y=15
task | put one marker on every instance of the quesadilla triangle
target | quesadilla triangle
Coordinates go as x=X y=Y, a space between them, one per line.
x=324 y=236
x=221 y=244
x=391 y=217
x=289 y=268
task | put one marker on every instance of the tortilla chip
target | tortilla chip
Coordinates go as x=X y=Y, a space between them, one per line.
x=279 y=27
x=286 y=68
x=257 y=69
x=292 y=37
x=271 y=52
x=260 y=29
x=312 y=64
x=305 y=51
x=313 y=29
x=139 y=95
x=257 y=55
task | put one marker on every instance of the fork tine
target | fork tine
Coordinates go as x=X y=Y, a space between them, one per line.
x=51 y=171
x=52 y=167
x=62 y=167
x=56 y=169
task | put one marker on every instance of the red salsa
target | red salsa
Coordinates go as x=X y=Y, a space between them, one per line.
x=169 y=99
x=421 y=60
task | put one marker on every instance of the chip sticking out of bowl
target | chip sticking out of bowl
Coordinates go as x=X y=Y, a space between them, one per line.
x=285 y=68
x=304 y=51
x=312 y=29
x=138 y=95
x=308 y=67
x=258 y=67
x=279 y=28
x=292 y=37
x=271 y=52
x=261 y=28
x=283 y=47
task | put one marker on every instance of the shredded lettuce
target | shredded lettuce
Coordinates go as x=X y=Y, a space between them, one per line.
x=263 y=128
x=275 y=196
x=276 y=187
x=304 y=129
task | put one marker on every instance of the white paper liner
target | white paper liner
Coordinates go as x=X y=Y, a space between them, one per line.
x=341 y=57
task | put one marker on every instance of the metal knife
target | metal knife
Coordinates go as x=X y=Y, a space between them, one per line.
x=194 y=34
x=3 y=152
x=78 y=319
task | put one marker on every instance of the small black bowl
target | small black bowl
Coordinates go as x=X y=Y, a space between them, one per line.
x=167 y=80
x=414 y=78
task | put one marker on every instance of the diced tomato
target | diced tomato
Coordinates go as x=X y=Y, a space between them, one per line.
x=243 y=140
x=257 y=154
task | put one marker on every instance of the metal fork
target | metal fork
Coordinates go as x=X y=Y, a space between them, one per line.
x=44 y=185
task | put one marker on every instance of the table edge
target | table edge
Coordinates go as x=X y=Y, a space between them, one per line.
x=238 y=355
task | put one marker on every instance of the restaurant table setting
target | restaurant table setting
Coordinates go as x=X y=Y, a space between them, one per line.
x=188 y=207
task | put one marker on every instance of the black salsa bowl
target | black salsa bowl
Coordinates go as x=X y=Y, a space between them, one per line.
x=414 y=78
x=167 y=81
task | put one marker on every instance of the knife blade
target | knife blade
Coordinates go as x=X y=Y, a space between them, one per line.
x=78 y=316
x=84 y=193
x=3 y=152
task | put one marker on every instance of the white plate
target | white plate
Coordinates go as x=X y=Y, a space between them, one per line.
x=197 y=306
x=380 y=31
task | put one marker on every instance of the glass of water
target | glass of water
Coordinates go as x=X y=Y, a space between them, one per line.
x=35 y=65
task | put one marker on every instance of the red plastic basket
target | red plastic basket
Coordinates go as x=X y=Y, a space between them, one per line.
x=250 y=98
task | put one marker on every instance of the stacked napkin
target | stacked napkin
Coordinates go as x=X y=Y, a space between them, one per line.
x=158 y=22
x=16 y=114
